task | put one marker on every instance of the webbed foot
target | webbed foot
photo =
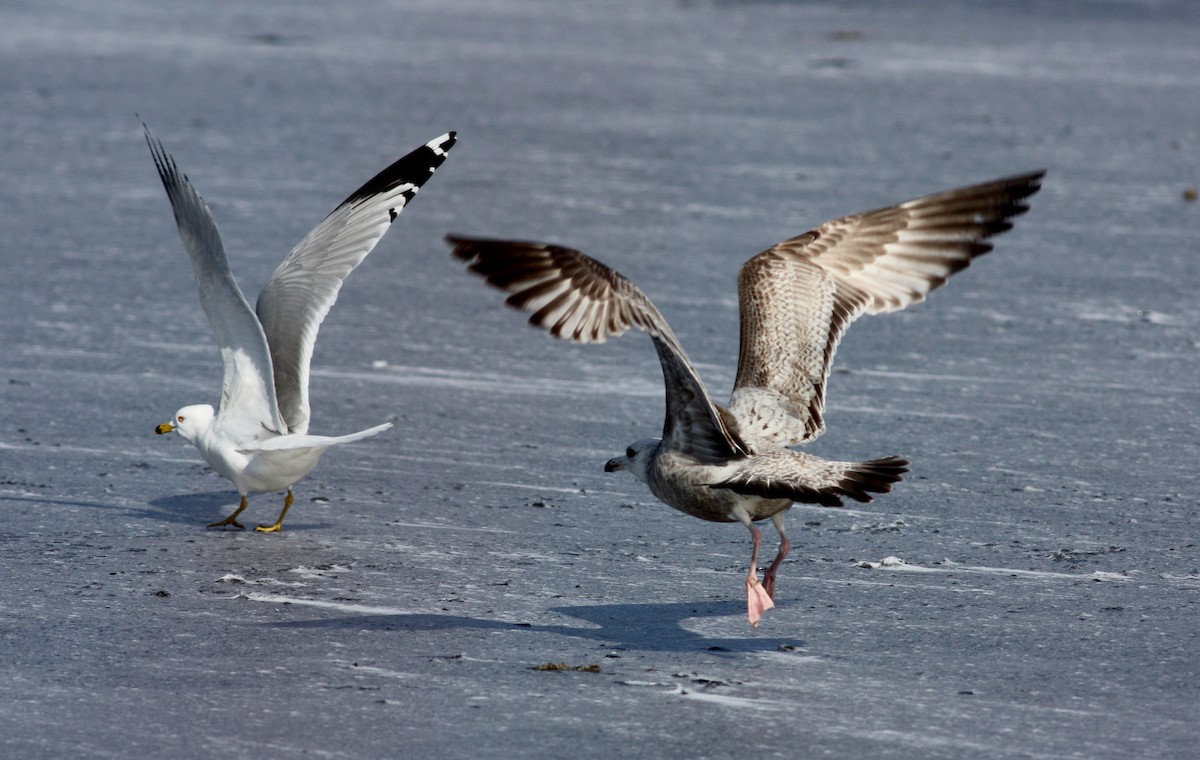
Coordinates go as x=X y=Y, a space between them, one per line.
x=757 y=601
x=232 y=519
x=278 y=524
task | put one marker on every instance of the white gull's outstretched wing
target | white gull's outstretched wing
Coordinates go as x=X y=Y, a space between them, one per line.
x=576 y=298
x=305 y=286
x=798 y=297
x=248 y=405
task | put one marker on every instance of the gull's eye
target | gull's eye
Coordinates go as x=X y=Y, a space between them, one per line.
x=629 y=452
x=179 y=418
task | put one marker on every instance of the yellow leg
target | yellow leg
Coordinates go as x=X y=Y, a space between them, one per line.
x=232 y=519
x=278 y=526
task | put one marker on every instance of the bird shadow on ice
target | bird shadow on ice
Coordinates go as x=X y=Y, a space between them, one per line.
x=59 y=502
x=212 y=506
x=189 y=507
x=637 y=627
x=660 y=627
x=185 y=508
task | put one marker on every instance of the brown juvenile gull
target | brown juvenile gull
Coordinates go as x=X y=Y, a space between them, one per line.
x=797 y=299
x=259 y=437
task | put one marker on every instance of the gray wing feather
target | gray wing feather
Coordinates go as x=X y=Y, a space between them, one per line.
x=305 y=286
x=578 y=299
x=248 y=405
x=799 y=297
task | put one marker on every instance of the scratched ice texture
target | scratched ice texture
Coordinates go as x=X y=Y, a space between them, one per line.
x=1029 y=591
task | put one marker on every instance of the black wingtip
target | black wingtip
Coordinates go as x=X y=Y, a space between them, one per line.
x=874 y=476
x=467 y=248
x=414 y=169
x=462 y=247
x=168 y=172
x=150 y=139
x=1015 y=190
x=1031 y=181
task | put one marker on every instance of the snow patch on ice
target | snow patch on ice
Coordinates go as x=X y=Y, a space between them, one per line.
x=895 y=526
x=1123 y=314
x=950 y=566
x=725 y=700
x=536 y=487
x=522 y=385
x=1187 y=581
x=879 y=410
x=372 y=670
x=790 y=659
x=242 y=581
x=319 y=572
x=360 y=609
x=435 y=526
x=894 y=563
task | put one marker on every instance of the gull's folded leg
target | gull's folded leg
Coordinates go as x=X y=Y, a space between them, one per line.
x=785 y=546
x=232 y=519
x=278 y=526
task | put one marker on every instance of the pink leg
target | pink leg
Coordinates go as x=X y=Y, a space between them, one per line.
x=757 y=600
x=785 y=546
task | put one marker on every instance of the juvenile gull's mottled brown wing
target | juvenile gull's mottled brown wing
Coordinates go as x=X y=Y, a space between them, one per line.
x=798 y=297
x=576 y=298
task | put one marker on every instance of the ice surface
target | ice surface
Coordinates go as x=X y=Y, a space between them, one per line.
x=1047 y=605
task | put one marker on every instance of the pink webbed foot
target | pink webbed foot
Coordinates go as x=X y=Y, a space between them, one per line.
x=758 y=601
x=768 y=583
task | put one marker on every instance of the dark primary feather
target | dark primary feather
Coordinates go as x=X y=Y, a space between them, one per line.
x=415 y=168
x=857 y=481
x=576 y=298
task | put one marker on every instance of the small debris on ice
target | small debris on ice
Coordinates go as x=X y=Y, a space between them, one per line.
x=886 y=562
x=556 y=666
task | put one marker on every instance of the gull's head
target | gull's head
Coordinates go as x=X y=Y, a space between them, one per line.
x=190 y=422
x=637 y=459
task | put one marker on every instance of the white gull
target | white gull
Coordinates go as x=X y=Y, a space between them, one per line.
x=258 y=438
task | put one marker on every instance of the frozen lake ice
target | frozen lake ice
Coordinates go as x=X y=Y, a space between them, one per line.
x=1029 y=591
